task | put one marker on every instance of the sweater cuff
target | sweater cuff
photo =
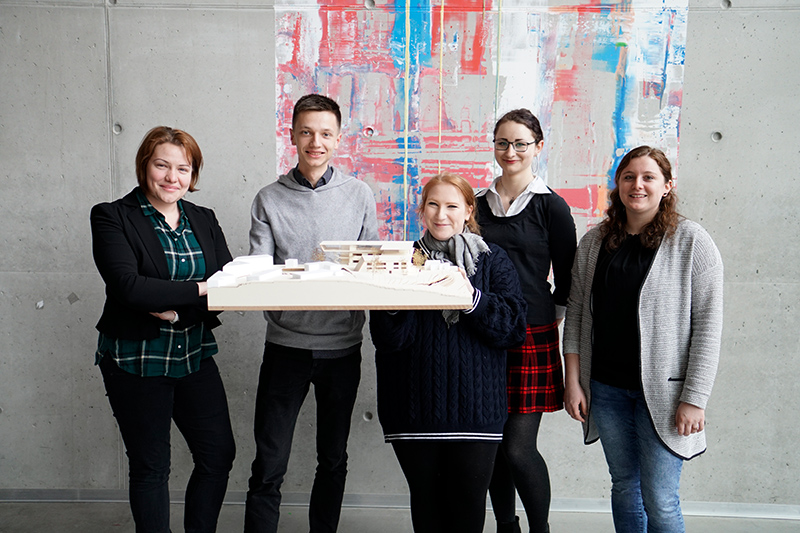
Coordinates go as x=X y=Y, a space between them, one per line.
x=476 y=300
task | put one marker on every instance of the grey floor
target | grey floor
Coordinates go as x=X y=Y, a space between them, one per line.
x=115 y=517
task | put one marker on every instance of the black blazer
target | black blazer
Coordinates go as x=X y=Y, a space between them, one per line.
x=133 y=265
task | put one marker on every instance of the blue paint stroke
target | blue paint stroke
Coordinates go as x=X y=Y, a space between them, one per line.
x=420 y=37
x=414 y=143
x=412 y=171
x=605 y=55
x=660 y=50
x=626 y=85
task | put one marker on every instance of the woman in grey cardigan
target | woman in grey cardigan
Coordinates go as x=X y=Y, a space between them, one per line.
x=641 y=341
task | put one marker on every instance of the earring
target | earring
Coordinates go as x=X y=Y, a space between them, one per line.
x=536 y=168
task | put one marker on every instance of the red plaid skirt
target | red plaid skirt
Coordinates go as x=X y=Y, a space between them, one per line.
x=535 y=374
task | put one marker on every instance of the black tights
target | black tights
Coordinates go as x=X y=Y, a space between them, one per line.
x=447 y=482
x=520 y=465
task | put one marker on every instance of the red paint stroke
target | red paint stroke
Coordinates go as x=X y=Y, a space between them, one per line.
x=566 y=86
x=592 y=7
x=675 y=98
x=652 y=89
x=355 y=40
x=476 y=173
x=583 y=198
x=466 y=21
x=294 y=27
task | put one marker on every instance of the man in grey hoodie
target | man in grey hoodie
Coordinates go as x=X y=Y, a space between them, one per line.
x=313 y=202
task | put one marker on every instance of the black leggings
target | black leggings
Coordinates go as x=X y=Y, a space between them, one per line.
x=447 y=482
x=520 y=465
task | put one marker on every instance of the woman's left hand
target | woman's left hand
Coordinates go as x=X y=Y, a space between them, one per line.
x=466 y=278
x=169 y=316
x=689 y=419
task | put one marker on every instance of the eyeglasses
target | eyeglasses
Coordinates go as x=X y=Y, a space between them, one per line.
x=502 y=146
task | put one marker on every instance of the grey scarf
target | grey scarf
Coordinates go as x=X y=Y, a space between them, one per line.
x=462 y=249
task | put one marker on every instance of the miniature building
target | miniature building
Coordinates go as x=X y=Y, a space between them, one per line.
x=375 y=256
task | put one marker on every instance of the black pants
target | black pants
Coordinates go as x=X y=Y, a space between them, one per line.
x=447 y=482
x=285 y=378
x=144 y=408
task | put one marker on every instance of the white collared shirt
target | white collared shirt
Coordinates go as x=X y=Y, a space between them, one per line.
x=536 y=186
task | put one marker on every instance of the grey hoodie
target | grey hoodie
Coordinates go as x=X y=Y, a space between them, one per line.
x=288 y=221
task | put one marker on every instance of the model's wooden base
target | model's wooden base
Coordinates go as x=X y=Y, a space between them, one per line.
x=341 y=292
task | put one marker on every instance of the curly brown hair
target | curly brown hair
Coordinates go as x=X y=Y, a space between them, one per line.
x=664 y=222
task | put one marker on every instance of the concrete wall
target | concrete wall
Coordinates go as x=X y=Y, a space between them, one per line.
x=81 y=83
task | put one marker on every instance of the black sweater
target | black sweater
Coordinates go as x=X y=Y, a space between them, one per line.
x=450 y=383
x=542 y=233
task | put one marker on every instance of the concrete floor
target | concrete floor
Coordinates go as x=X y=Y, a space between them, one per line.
x=115 y=517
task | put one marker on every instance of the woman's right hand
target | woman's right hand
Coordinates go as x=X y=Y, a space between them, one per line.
x=169 y=316
x=575 y=401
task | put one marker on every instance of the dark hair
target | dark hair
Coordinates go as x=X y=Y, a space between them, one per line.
x=464 y=188
x=664 y=222
x=165 y=134
x=316 y=102
x=524 y=117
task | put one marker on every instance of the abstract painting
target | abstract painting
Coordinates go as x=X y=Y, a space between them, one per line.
x=421 y=84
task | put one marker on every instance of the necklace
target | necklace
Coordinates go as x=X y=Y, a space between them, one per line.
x=512 y=196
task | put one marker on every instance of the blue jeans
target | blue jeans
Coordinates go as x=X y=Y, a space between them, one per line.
x=144 y=408
x=286 y=374
x=645 y=475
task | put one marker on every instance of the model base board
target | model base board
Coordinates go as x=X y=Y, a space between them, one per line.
x=367 y=275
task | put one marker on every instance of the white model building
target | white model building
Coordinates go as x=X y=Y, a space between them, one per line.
x=368 y=275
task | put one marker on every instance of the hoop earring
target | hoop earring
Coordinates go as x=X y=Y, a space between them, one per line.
x=536 y=169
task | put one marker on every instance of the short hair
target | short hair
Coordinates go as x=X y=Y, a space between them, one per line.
x=524 y=117
x=165 y=134
x=316 y=102
x=464 y=188
x=664 y=222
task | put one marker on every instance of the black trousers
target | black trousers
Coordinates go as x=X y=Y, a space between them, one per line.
x=144 y=408
x=447 y=482
x=283 y=383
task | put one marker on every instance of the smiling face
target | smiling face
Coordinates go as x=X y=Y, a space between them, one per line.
x=511 y=161
x=641 y=186
x=169 y=173
x=316 y=135
x=445 y=212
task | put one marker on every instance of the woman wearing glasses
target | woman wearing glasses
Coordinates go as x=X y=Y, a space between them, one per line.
x=534 y=226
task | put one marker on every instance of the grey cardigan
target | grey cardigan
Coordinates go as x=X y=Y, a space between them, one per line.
x=680 y=327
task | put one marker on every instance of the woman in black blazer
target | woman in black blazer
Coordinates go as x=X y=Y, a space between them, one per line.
x=155 y=252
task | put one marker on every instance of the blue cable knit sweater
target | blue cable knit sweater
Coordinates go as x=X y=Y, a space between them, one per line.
x=436 y=382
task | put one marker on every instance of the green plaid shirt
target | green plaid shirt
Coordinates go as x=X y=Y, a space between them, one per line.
x=175 y=352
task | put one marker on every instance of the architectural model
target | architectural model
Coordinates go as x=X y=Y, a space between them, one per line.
x=364 y=275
